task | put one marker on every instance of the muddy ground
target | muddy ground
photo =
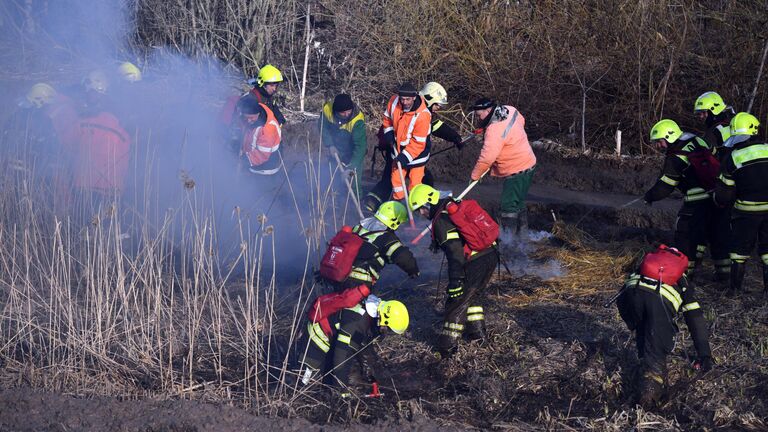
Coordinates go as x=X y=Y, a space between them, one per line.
x=555 y=359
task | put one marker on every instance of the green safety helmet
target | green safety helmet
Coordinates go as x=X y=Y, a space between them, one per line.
x=666 y=129
x=391 y=214
x=40 y=94
x=421 y=195
x=434 y=93
x=269 y=74
x=129 y=72
x=744 y=123
x=709 y=101
x=393 y=314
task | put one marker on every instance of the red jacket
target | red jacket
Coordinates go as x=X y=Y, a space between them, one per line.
x=260 y=142
x=101 y=154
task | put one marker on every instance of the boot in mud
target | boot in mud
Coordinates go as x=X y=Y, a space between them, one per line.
x=522 y=222
x=765 y=280
x=447 y=345
x=510 y=223
x=651 y=388
x=737 y=279
x=475 y=327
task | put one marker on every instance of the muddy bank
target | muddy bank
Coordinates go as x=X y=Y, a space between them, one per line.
x=25 y=409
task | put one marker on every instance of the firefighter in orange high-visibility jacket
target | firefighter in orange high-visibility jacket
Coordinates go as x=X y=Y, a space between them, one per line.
x=261 y=138
x=406 y=125
x=648 y=303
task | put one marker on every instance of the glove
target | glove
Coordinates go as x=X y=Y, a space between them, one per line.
x=703 y=364
x=414 y=275
x=402 y=158
x=647 y=199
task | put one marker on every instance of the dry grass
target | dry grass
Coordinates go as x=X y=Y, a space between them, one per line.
x=110 y=300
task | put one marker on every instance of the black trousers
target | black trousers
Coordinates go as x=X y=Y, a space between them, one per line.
x=697 y=226
x=651 y=318
x=343 y=354
x=747 y=229
x=478 y=273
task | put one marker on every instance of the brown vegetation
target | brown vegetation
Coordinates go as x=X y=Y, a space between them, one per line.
x=635 y=61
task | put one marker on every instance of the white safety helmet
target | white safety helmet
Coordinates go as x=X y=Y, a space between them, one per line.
x=434 y=93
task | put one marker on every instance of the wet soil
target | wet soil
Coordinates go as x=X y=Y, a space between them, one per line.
x=25 y=409
x=554 y=359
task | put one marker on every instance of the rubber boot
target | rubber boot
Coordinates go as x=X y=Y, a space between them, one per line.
x=522 y=222
x=448 y=341
x=369 y=205
x=474 y=329
x=510 y=223
x=737 y=279
x=765 y=280
x=651 y=388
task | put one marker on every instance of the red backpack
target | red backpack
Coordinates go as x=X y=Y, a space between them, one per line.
x=340 y=255
x=665 y=263
x=329 y=304
x=706 y=167
x=476 y=226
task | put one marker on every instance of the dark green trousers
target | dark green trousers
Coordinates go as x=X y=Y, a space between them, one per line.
x=515 y=190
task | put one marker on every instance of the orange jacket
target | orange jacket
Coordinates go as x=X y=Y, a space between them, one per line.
x=411 y=129
x=260 y=142
x=506 y=150
x=101 y=154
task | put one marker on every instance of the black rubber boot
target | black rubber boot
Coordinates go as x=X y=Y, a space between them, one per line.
x=510 y=223
x=765 y=280
x=737 y=279
x=522 y=222
x=475 y=330
x=651 y=388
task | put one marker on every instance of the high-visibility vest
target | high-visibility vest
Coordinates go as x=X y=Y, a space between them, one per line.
x=411 y=129
x=261 y=142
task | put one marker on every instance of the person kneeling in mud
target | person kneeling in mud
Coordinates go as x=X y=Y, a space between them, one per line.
x=340 y=345
x=648 y=303
x=467 y=235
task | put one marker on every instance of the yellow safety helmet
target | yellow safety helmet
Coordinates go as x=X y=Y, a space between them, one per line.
x=394 y=314
x=434 y=93
x=744 y=123
x=269 y=74
x=96 y=81
x=666 y=129
x=129 y=72
x=391 y=214
x=40 y=94
x=709 y=101
x=421 y=195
